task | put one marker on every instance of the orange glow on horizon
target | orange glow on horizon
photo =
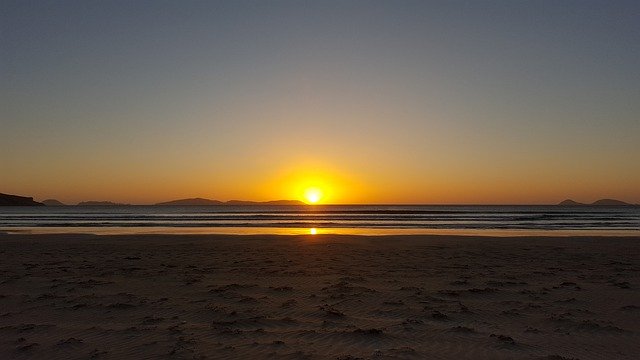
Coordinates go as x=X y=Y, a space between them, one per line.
x=314 y=183
x=335 y=181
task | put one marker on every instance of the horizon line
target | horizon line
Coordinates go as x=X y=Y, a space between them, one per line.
x=303 y=203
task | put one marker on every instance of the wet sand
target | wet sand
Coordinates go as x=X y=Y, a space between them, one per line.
x=318 y=297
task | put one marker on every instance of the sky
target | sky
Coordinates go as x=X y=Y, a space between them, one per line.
x=436 y=102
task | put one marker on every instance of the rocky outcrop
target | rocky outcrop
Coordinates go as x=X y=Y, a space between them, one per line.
x=15 y=200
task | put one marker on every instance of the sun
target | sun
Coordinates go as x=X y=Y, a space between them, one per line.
x=312 y=195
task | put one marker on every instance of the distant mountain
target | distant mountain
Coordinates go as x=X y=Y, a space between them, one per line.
x=99 y=203
x=601 y=202
x=206 y=202
x=610 y=202
x=272 y=202
x=283 y=202
x=15 y=200
x=570 y=202
x=52 y=202
x=193 y=201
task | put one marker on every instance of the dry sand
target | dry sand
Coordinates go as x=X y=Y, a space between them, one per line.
x=318 y=297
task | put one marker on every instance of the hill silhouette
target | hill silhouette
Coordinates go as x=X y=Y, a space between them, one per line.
x=601 y=202
x=100 y=203
x=272 y=202
x=570 y=202
x=192 y=201
x=207 y=202
x=53 y=202
x=15 y=200
x=609 y=202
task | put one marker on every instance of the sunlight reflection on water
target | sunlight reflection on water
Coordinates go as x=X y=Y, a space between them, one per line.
x=307 y=231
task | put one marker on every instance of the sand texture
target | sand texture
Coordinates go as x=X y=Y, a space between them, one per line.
x=318 y=297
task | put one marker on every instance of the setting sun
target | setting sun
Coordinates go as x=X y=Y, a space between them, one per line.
x=313 y=195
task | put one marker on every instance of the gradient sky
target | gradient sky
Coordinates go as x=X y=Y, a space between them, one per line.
x=373 y=101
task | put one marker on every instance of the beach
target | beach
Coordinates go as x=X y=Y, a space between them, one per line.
x=80 y=296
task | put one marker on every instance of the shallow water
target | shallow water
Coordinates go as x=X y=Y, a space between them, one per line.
x=348 y=219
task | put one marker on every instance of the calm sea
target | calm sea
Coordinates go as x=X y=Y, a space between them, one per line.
x=358 y=219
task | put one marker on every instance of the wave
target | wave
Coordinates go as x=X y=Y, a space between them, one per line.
x=365 y=216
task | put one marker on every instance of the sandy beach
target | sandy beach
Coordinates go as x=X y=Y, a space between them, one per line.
x=318 y=297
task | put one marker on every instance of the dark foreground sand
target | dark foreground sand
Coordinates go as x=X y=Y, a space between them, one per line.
x=318 y=297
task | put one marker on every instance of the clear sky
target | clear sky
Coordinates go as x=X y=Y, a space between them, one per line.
x=370 y=101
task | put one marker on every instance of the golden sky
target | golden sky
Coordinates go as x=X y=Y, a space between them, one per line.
x=425 y=102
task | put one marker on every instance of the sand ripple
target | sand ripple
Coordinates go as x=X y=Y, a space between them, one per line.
x=318 y=297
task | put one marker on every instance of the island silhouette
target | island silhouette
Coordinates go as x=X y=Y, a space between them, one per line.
x=207 y=202
x=53 y=202
x=100 y=203
x=601 y=202
x=16 y=200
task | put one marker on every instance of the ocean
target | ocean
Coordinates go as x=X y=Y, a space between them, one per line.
x=355 y=219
